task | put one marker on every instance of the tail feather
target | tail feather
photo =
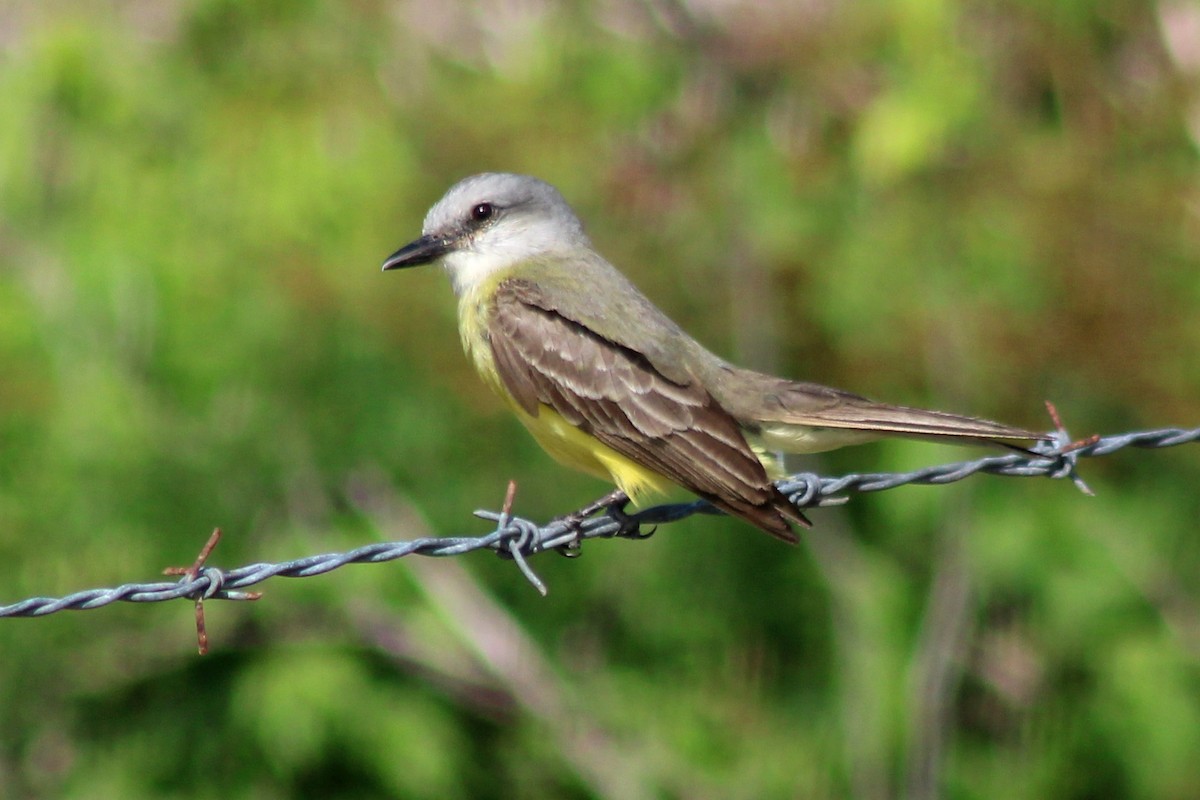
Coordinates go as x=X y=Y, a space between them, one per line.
x=799 y=417
x=879 y=417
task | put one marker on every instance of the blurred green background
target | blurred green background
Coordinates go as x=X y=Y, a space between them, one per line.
x=961 y=204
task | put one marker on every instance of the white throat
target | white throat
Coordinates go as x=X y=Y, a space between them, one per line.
x=471 y=268
x=499 y=249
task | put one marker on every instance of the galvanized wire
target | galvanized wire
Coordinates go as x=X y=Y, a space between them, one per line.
x=517 y=538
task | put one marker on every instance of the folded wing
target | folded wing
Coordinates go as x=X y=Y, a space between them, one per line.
x=613 y=393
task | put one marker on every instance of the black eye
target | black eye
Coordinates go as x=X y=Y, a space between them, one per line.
x=482 y=212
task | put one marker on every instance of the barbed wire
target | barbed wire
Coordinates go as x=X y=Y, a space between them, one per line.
x=518 y=538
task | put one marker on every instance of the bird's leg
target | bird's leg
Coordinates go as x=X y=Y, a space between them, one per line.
x=616 y=499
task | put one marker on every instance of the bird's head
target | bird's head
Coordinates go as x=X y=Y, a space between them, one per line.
x=491 y=222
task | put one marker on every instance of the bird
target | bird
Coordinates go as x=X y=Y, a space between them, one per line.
x=608 y=384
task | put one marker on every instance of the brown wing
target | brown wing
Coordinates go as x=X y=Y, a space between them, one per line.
x=614 y=394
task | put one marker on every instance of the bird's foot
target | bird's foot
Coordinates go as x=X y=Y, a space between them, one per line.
x=613 y=505
x=629 y=525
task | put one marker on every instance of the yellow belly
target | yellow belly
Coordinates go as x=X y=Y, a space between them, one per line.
x=568 y=445
x=573 y=448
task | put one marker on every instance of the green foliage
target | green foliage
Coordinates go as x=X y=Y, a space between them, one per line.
x=950 y=204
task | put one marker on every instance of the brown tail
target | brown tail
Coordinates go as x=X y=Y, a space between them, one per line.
x=822 y=407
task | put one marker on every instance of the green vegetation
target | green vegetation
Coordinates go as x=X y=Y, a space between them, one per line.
x=967 y=205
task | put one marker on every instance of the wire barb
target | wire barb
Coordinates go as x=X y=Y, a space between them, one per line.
x=1067 y=450
x=518 y=538
x=525 y=539
x=200 y=592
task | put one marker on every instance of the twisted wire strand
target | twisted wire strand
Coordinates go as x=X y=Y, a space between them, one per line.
x=518 y=538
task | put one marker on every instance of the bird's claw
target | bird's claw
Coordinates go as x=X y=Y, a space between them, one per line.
x=629 y=527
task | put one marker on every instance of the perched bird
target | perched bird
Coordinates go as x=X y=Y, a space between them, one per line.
x=609 y=385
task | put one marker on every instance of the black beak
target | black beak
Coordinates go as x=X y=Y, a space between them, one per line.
x=414 y=254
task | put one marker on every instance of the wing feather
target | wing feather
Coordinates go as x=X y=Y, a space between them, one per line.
x=615 y=394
